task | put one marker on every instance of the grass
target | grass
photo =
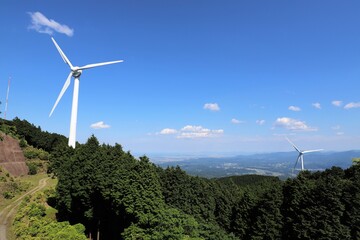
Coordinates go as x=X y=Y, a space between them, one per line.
x=51 y=212
x=32 y=181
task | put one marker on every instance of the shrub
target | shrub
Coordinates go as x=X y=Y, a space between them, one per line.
x=22 y=143
x=8 y=195
x=43 y=155
x=30 y=153
x=33 y=168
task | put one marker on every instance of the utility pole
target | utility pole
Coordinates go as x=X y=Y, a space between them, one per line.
x=7 y=98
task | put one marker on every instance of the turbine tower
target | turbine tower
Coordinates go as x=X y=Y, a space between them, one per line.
x=74 y=72
x=301 y=154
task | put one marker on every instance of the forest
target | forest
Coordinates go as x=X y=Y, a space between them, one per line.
x=117 y=196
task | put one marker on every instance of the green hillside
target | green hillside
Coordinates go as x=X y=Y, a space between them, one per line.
x=115 y=195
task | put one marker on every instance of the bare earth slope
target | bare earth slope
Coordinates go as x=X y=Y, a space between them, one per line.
x=12 y=157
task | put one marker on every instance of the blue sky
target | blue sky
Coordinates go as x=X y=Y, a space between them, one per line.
x=198 y=76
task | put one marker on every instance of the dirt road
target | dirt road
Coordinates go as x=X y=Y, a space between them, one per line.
x=7 y=212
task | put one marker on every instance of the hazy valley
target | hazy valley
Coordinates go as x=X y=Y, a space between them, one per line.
x=280 y=164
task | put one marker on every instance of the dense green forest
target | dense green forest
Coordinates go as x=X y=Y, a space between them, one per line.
x=118 y=196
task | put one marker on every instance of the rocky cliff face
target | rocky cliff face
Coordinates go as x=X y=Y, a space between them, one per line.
x=12 y=157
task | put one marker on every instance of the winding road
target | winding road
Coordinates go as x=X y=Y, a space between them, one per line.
x=7 y=212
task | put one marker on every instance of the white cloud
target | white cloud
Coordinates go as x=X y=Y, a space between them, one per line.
x=292 y=124
x=212 y=106
x=336 y=103
x=191 y=131
x=42 y=24
x=316 y=105
x=340 y=133
x=294 y=108
x=99 y=125
x=190 y=128
x=168 y=131
x=236 y=121
x=352 y=105
x=260 y=122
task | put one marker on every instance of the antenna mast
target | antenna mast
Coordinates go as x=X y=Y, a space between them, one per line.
x=7 y=98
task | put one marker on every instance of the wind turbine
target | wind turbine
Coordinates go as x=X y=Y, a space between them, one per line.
x=301 y=154
x=75 y=72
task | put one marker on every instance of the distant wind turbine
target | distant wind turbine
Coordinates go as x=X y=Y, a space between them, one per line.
x=74 y=72
x=301 y=154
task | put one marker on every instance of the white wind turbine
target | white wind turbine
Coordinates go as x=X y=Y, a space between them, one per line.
x=301 y=154
x=74 y=72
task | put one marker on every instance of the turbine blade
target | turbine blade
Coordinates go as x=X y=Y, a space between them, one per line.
x=62 y=54
x=297 y=160
x=99 y=64
x=293 y=145
x=316 y=150
x=66 y=85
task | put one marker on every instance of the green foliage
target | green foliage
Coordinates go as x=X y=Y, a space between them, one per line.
x=33 y=153
x=30 y=154
x=351 y=200
x=22 y=143
x=193 y=195
x=313 y=206
x=37 y=159
x=10 y=187
x=34 y=136
x=8 y=195
x=166 y=224
x=110 y=191
x=356 y=160
x=31 y=222
x=7 y=129
x=33 y=168
x=249 y=180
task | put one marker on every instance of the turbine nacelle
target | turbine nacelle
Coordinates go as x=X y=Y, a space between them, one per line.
x=76 y=72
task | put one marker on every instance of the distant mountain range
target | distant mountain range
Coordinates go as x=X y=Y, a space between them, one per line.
x=279 y=164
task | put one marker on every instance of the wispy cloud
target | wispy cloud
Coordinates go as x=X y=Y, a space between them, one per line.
x=99 y=125
x=337 y=130
x=294 y=108
x=352 y=105
x=191 y=131
x=236 y=121
x=336 y=103
x=316 y=105
x=292 y=124
x=212 y=107
x=42 y=24
x=260 y=122
x=337 y=127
